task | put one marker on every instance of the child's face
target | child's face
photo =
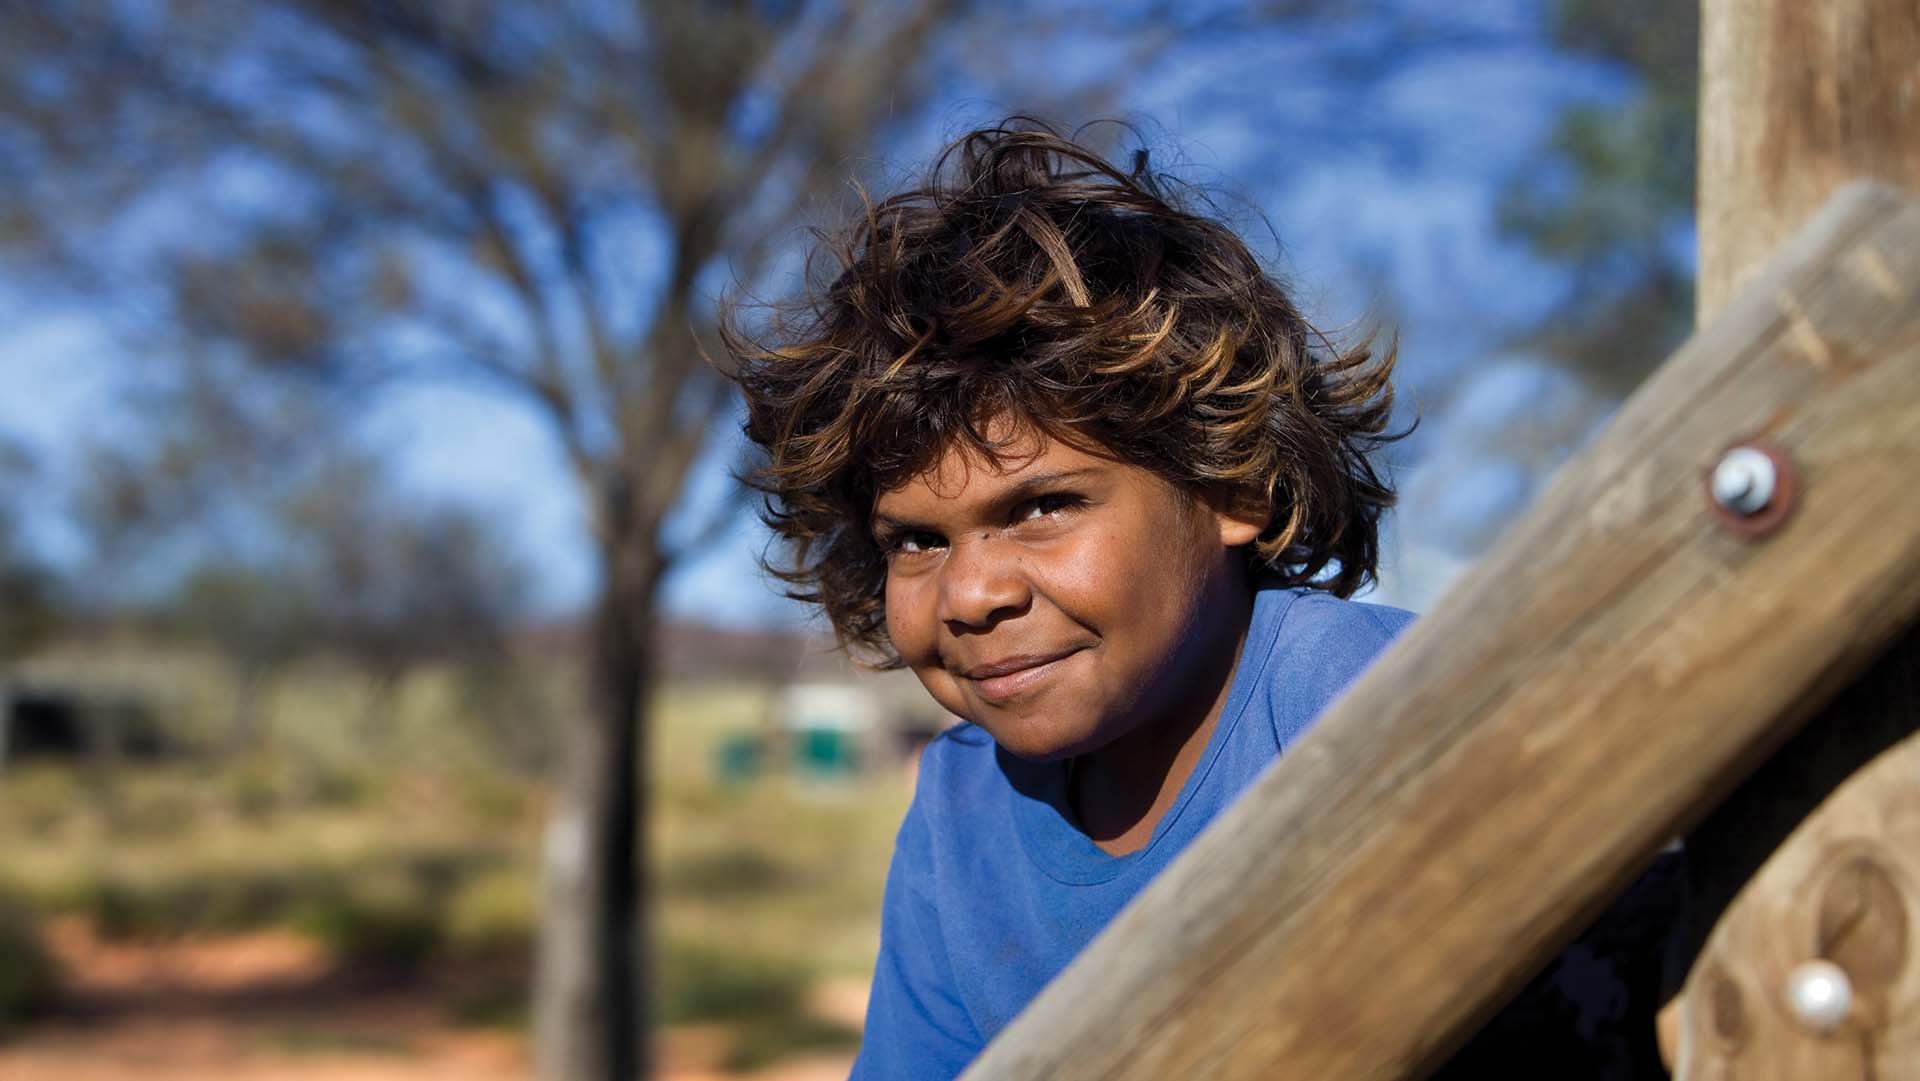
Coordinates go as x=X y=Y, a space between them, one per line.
x=1063 y=599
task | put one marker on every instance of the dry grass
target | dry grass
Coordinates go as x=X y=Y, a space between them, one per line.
x=403 y=839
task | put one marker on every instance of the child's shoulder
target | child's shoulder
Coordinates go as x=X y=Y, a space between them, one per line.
x=1318 y=617
x=961 y=758
x=960 y=740
x=960 y=795
x=1311 y=646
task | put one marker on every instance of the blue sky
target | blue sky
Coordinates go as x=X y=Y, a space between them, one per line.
x=1401 y=225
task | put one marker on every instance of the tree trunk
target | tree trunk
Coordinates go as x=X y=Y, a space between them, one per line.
x=378 y=712
x=590 y=1010
x=6 y=719
x=243 y=726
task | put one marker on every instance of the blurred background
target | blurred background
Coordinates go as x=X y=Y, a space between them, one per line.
x=382 y=648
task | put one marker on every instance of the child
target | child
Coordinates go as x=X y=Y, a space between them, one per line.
x=1063 y=448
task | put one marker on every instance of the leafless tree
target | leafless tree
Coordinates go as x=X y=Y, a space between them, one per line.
x=546 y=197
x=345 y=565
x=27 y=598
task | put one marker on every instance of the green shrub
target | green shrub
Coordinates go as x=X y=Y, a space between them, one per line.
x=762 y=998
x=337 y=786
x=736 y=870
x=189 y=901
x=773 y=1039
x=706 y=983
x=494 y=802
x=253 y=792
x=118 y=910
x=385 y=919
x=27 y=975
x=492 y=913
x=497 y=1005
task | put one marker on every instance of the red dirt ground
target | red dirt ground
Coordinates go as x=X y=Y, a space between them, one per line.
x=268 y=1007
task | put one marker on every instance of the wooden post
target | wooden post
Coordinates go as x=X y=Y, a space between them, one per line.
x=1843 y=890
x=1602 y=679
x=1796 y=99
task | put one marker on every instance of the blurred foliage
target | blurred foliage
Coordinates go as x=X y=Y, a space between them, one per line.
x=291 y=206
x=332 y=875
x=391 y=918
x=28 y=600
x=309 y=201
x=28 y=609
x=298 y=204
x=1612 y=197
x=764 y=997
x=356 y=571
x=28 y=980
x=420 y=863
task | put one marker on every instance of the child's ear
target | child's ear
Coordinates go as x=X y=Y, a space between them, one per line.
x=1238 y=528
x=1239 y=520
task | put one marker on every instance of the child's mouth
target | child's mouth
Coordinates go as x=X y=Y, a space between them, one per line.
x=1009 y=677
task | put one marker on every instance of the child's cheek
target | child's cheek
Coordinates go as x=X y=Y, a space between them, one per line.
x=1096 y=570
x=899 y=624
x=911 y=620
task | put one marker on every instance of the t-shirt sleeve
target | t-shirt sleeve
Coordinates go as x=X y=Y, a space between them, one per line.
x=916 y=1026
x=1323 y=646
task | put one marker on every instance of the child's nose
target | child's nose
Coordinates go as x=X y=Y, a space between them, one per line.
x=981 y=583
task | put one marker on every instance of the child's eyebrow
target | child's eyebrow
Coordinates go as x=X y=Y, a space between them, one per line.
x=1018 y=492
x=882 y=526
x=1028 y=487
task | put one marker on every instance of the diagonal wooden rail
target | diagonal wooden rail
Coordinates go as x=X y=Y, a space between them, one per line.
x=1585 y=693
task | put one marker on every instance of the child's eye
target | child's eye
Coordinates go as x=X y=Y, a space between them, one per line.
x=1051 y=503
x=912 y=543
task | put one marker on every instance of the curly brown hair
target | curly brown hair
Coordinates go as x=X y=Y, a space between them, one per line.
x=1031 y=279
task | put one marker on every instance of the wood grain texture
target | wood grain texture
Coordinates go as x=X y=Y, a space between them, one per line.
x=1797 y=97
x=1728 y=849
x=1582 y=695
x=1845 y=887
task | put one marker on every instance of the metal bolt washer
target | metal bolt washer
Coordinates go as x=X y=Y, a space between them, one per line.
x=1752 y=488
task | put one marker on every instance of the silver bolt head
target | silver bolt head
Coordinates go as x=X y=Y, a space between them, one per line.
x=1819 y=994
x=1744 y=480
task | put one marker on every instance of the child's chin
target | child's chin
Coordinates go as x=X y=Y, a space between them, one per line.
x=1040 y=747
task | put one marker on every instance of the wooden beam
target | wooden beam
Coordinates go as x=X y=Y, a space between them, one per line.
x=1797 y=97
x=1843 y=889
x=1583 y=694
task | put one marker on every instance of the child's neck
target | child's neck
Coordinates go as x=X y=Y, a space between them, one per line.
x=1120 y=792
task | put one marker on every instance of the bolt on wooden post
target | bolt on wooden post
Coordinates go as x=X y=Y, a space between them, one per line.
x=1806 y=876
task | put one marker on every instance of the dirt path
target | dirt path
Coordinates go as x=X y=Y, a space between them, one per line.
x=269 y=1007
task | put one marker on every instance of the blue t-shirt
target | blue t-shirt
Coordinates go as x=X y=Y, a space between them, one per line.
x=993 y=889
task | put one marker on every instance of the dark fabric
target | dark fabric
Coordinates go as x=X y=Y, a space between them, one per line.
x=1588 y=1016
